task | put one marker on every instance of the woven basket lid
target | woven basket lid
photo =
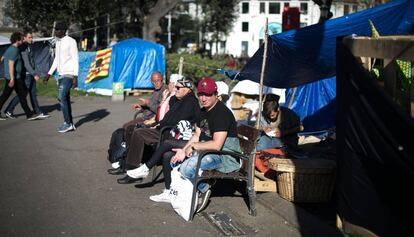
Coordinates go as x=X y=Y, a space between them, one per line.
x=302 y=165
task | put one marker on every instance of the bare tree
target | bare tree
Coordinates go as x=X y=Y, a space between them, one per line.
x=151 y=21
x=325 y=7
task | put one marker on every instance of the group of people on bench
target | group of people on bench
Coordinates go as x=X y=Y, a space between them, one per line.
x=211 y=127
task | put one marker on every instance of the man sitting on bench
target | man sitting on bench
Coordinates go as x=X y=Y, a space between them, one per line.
x=183 y=106
x=215 y=130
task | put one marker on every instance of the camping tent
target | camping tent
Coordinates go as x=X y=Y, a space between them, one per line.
x=307 y=55
x=41 y=52
x=132 y=62
x=4 y=40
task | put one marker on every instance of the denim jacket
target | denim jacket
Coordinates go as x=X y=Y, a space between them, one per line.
x=229 y=163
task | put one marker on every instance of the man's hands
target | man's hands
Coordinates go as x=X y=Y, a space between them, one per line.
x=179 y=155
x=46 y=79
x=273 y=132
x=75 y=82
x=139 y=104
x=136 y=106
x=36 y=77
x=11 y=83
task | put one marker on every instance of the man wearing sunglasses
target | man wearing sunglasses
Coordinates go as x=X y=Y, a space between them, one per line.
x=183 y=106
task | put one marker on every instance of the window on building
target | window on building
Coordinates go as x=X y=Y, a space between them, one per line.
x=304 y=8
x=244 y=48
x=262 y=7
x=274 y=7
x=354 y=8
x=245 y=26
x=245 y=7
x=346 y=9
x=222 y=46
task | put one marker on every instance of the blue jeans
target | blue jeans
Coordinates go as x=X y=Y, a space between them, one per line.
x=64 y=85
x=266 y=142
x=209 y=162
x=31 y=88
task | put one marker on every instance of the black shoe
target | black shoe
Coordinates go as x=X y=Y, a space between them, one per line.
x=128 y=180
x=203 y=200
x=116 y=171
x=10 y=115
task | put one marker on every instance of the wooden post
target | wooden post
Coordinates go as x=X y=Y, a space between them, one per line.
x=390 y=77
x=53 y=30
x=180 y=66
x=412 y=90
x=259 y=115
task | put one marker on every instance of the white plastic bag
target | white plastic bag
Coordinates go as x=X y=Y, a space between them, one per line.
x=181 y=190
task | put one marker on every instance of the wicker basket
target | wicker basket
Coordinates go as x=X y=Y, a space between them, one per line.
x=304 y=180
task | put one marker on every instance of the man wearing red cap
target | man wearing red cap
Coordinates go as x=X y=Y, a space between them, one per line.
x=215 y=130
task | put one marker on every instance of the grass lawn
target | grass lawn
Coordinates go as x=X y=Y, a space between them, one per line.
x=51 y=89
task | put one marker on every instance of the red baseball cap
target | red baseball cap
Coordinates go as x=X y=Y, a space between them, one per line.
x=207 y=86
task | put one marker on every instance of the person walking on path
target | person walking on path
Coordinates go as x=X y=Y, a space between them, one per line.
x=12 y=74
x=66 y=63
x=30 y=77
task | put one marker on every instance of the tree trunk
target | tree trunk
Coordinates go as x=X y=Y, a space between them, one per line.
x=151 y=21
x=325 y=7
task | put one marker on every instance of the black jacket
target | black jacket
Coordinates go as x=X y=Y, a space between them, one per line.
x=185 y=109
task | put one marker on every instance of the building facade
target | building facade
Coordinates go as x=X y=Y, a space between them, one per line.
x=248 y=30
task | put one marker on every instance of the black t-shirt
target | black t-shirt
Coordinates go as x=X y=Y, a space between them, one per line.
x=218 y=119
x=185 y=109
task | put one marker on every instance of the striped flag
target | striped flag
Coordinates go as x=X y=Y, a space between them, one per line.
x=405 y=66
x=100 y=66
x=375 y=33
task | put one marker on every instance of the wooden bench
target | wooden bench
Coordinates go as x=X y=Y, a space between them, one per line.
x=247 y=136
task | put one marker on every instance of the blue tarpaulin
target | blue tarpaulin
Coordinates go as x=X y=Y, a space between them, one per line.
x=132 y=62
x=306 y=58
x=308 y=54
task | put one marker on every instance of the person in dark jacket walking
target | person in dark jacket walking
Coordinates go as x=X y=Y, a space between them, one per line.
x=30 y=77
x=12 y=74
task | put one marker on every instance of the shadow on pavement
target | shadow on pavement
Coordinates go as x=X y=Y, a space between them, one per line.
x=50 y=108
x=94 y=116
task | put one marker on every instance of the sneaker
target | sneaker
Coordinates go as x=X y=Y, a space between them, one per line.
x=163 y=197
x=2 y=117
x=33 y=117
x=66 y=128
x=10 y=115
x=203 y=200
x=140 y=172
x=116 y=165
x=42 y=115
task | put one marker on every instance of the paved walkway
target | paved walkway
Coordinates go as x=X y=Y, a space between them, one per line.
x=56 y=185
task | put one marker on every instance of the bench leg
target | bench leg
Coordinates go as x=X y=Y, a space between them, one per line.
x=252 y=200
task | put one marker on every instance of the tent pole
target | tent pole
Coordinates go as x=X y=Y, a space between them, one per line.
x=259 y=115
x=180 y=66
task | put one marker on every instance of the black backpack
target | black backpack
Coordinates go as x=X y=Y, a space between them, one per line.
x=117 y=147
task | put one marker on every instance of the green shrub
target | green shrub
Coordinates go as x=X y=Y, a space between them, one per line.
x=195 y=66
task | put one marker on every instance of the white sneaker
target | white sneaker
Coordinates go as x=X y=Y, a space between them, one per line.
x=115 y=165
x=42 y=115
x=140 y=172
x=163 y=197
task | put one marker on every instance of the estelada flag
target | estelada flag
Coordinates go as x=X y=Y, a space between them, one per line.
x=100 y=66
